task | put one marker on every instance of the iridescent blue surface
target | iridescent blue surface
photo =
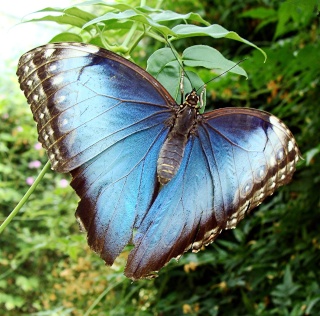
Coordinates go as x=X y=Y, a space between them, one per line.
x=105 y=120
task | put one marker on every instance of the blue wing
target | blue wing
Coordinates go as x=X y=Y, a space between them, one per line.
x=102 y=118
x=237 y=158
x=85 y=99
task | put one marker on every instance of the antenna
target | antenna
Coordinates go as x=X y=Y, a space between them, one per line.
x=239 y=62
x=181 y=64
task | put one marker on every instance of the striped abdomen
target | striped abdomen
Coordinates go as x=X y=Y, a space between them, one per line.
x=172 y=151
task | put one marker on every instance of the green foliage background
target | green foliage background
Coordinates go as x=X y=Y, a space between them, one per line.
x=269 y=265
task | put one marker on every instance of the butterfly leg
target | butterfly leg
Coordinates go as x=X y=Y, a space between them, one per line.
x=201 y=96
x=181 y=87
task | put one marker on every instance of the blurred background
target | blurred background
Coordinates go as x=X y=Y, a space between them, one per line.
x=268 y=265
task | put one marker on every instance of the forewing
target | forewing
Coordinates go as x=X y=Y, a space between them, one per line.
x=85 y=99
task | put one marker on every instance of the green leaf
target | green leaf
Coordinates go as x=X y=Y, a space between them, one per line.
x=215 y=31
x=208 y=57
x=74 y=11
x=298 y=12
x=27 y=284
x=66 y=37
x=248 y=303
x=72 y=16
x=118 y=6
x=311 y=304
x=164 y=16
x=10 y=301
x=164 y=66
x=50 y=9
x=260 y=13
x=130 y=15
x=63 y=19
x=310 y=154
x=283 y=292
x=266 y=15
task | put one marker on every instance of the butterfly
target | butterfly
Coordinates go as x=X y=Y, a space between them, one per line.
x=148 y=171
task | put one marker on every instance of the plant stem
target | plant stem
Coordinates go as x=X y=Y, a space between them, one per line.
x=25 y=198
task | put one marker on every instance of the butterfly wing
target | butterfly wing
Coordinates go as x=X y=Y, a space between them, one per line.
x=238 y=157
x=101 y=118
x=105 y=119
x=262 y=155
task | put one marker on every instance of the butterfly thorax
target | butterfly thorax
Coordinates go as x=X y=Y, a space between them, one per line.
x=172 y=150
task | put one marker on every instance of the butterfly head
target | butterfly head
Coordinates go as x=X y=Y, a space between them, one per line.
x=192 y=99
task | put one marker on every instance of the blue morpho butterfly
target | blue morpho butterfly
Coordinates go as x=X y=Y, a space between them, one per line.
x=149 y=171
